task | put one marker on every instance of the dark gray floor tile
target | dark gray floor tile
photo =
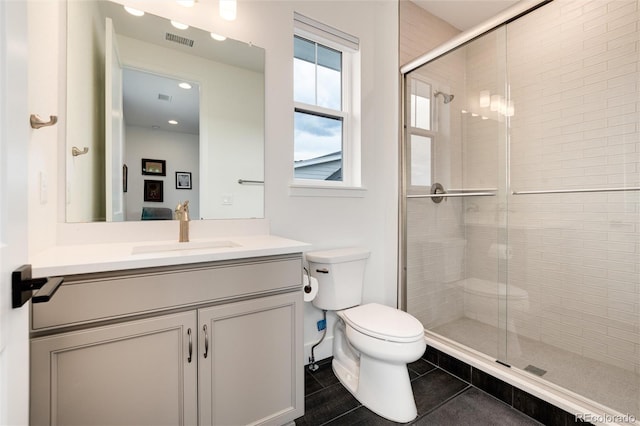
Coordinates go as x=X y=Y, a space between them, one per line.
x=311 y=385
x=474 y=407
x=420 y=367
x=361 y=416
x=541 y=410
x=326 y=404
x=454 y=366
x=433 y=388
x=324 y=374
x=493 y=386
x=431 y=355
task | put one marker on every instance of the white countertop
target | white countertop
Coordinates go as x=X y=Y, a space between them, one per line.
x=90 y=258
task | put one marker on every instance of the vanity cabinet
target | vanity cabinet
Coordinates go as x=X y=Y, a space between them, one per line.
x=136 y=372
x=232 y=357
x=248 y=371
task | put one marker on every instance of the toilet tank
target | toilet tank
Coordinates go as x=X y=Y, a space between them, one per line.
x=340 y=274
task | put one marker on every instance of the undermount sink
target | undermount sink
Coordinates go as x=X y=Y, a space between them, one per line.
x=190 y=245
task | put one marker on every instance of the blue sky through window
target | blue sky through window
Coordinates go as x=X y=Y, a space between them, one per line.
x=317 y=82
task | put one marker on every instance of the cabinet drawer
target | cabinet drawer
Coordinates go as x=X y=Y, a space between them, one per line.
x=94 y=298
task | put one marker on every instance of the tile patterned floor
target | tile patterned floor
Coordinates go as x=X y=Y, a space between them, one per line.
x=441 y=399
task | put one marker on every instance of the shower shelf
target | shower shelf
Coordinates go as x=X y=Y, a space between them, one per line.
x=569 y=191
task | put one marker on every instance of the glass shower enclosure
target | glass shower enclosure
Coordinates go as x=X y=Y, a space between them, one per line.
x=521 y=197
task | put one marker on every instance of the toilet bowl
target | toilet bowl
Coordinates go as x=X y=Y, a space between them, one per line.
x=372 y=343
x=370 y=358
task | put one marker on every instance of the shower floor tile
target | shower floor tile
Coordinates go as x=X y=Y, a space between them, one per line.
x=609 y=385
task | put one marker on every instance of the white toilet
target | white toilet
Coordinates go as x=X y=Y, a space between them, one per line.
x=372 y=343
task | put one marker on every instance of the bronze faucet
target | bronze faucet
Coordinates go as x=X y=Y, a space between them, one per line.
x=182 y=214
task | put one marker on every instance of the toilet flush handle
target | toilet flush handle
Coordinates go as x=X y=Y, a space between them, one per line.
x=323 y=271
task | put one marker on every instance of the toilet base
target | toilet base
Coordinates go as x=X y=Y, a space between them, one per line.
x=383 y=387
x=387 y=392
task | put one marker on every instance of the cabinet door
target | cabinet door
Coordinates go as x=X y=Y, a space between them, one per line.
x=134 y=373
x=251 y=369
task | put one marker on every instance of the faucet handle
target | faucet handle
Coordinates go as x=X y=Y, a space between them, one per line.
x=185 y=210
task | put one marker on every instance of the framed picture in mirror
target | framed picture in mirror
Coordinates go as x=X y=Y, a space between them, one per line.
x=153 y=190
x=183 y=180
x=154 y=167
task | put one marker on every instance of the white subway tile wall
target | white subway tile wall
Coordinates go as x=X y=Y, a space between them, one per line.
x=575 y=85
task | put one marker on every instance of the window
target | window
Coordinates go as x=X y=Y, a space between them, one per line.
x=326 y=147
x=420 y=133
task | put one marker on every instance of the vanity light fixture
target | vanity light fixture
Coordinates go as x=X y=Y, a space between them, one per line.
x=174 y=122
x=218 y=37
x=179 y=25
x=134 y=12
x=184 y=85
x=228 y=9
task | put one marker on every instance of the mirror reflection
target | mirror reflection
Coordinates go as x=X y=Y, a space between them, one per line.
x=141 y=91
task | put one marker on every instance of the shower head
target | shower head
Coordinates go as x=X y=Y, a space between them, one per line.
x=445 y=96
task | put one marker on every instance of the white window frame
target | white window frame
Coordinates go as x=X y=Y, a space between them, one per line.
x=410 y=131
x=348 y=46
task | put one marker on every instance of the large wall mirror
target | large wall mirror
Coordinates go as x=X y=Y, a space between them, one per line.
x=157 y=115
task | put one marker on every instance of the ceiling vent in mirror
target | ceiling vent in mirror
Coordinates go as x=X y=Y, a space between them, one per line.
x=163 y=97
x=179 y=39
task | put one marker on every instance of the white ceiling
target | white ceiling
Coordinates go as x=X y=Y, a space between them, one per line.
x=464 y=14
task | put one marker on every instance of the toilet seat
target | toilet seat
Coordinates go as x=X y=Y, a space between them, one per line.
x=384 y=322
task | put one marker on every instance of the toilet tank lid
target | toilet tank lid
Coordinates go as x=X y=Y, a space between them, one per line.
x=384 y=322
x=347 y=254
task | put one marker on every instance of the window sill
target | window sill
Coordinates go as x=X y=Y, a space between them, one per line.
x=300 y=190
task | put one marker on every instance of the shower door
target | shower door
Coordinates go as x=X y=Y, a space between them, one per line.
x=455 y=194
x=521 y=198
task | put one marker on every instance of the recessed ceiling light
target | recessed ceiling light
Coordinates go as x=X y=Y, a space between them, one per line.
x=184 y=85
x=172 y=122
x=134 y=12
x=218 y=37
x=179 y=25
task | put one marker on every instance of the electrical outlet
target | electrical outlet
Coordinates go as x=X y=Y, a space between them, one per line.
x=322 y=324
